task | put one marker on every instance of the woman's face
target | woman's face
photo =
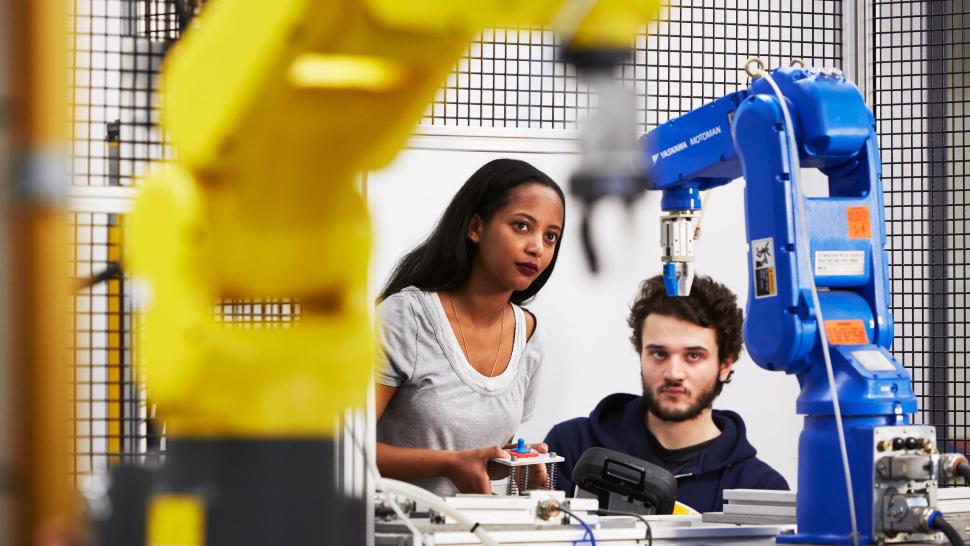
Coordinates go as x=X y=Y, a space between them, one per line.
x=517 y=243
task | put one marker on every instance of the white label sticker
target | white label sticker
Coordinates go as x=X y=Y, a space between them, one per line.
x=763 y=267
x=874 y=361
x=832 y=263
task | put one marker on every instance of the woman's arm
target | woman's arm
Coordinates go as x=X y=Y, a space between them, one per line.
x=466 y=469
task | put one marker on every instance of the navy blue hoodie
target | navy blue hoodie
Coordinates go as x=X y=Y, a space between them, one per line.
x=618 y=423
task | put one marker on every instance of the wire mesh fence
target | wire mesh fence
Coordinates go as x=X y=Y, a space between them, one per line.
x=256 y=314
x=116 y=50
x=920 y=64
x=512 y=77
x=109 y=415
x=117 y=47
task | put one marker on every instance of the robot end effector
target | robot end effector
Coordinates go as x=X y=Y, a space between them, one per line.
x=679 y=228
x=678 y=231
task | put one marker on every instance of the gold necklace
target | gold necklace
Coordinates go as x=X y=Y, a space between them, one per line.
x=464 y=346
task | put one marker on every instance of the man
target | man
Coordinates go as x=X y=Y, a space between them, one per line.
x=687 y=346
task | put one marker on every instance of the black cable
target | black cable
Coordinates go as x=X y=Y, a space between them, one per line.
x=605 y=512
x=586 y=236
x=963 y=469
x=589 y=530
x=951 y=533
x=113 y=271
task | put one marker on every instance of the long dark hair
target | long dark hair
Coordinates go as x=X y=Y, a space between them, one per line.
x=444 y=260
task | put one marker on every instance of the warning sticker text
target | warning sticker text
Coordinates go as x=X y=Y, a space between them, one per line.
x=763 y=267
x=846 y=332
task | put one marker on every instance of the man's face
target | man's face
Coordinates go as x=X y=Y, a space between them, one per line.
x=680 y=367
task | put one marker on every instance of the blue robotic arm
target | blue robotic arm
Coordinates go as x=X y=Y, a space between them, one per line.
x=842 y=251
x=692 y=153
x=743 y=134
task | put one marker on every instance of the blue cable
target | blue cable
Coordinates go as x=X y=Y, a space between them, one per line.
x=588 y=535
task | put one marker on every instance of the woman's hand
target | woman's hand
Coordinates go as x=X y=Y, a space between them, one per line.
x=538 y=477
x=466 y=469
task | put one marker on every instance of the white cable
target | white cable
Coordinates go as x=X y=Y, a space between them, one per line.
x=705 y=201
x=376 y=476
x=434 y=501
x=418 y=494
x=806 y=259
x=417 y=534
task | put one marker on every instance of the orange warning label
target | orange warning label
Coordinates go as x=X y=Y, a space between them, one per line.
x=860 y=227
x=846 y=332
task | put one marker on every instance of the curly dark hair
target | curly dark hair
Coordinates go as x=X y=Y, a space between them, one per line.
x=710 y=304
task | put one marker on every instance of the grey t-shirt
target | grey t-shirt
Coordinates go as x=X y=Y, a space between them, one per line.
x=442 y=402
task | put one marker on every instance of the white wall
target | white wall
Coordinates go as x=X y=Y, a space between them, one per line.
x=584 y=316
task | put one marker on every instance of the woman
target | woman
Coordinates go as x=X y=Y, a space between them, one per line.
x=460 y=357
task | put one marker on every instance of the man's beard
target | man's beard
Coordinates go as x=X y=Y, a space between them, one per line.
x=704 y=400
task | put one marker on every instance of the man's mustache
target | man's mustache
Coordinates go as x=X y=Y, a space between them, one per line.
x=669 y=385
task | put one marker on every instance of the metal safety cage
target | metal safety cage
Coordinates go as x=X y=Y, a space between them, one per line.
x=268 y=313
x=920 y=62
x=512 y=77
x=116 y=48
x=111 y=421
x=116 y=52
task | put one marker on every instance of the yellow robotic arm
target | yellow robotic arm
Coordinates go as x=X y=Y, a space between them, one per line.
x=273 y=108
